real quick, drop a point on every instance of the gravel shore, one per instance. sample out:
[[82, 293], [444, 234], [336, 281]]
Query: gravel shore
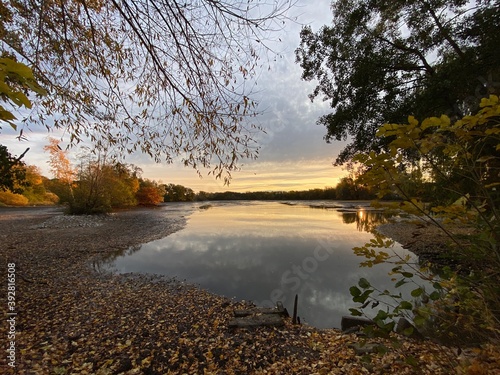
[[72, 319], [423, 238]]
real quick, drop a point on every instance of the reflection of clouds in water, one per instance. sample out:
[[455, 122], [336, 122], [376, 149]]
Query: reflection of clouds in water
[[264, 252], [328, 305]]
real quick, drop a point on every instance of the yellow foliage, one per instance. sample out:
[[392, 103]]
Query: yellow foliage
[[51, 198], [441, 122], [11, 199], [412, 121], [457, 166], [491, 101]]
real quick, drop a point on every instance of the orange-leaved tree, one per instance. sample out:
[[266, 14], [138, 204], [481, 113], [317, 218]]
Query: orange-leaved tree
[[149, 194]]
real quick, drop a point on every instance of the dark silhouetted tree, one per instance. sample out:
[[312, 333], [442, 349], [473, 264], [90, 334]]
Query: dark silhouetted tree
[[381, 61]]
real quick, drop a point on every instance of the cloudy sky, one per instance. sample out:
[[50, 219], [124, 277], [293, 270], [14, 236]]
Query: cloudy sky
[[293, 154]]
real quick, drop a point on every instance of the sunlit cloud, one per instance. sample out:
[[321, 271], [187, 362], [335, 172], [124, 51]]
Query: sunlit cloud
[[256, 176], [299, 175]]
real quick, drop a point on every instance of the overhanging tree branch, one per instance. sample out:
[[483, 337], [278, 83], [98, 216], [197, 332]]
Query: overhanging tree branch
[[166, 77]]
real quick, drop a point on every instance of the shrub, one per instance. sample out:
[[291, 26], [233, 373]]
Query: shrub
[[149, 196], [460, 158], [11, 199]]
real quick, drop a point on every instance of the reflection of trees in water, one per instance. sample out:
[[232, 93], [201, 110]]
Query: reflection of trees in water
[[365, 220], [105, 264]]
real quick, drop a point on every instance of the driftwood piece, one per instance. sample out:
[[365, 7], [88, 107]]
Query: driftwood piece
[[273, 320], [259, 316], [255, 310], [278, 310]]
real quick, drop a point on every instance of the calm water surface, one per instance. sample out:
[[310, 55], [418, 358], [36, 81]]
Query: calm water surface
[[269, 251]]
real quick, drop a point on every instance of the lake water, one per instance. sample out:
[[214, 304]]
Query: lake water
[[270, 251]]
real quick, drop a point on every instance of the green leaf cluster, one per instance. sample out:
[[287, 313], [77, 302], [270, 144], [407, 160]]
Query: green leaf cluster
[[16, 79]]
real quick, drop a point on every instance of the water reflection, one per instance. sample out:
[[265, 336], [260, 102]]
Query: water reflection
[[266, 252], [366, 220], [108, 264]]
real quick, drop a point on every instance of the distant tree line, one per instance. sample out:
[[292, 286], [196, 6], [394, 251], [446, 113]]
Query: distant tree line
[[99, 184], [346, 189]]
